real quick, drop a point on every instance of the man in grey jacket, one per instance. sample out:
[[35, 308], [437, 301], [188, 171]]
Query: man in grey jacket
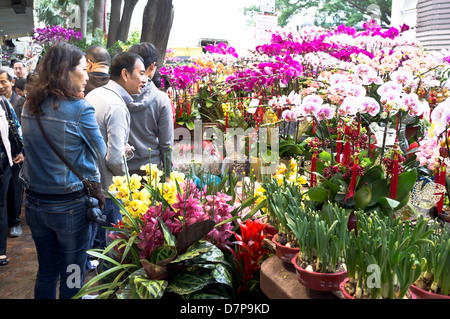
[[151, 119], [127, 78]]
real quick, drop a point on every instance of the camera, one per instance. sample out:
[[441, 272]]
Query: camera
[[94, 213]]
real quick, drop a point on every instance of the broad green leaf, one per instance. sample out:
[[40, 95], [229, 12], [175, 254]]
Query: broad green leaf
[[195, 250], [363, 196], [405, 183], [221, 275], [317, 194], [186, 283], [144, 288]]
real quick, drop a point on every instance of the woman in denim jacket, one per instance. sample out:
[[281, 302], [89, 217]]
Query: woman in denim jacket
[[55, 202]]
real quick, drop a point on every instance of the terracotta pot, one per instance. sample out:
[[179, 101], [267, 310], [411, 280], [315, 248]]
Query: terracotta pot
[[316, 280], [270, 230], [423, 294], [348, 296], [284, 253]]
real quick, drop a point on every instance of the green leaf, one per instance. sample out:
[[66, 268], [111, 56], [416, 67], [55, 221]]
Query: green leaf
[[144, 288], [405, 183], [168, 236], [186, 283], [363, 196], [379, 189], [190, 125], [195, 250], [317, 194], [221, 275], [373, 174]]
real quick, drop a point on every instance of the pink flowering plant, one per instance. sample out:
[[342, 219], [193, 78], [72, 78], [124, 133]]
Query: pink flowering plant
[[50, 35], [171, 232]]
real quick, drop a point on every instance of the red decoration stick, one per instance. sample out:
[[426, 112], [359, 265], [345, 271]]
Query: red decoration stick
[[352, 185], [313, 181], [394, 177], [440, 203]]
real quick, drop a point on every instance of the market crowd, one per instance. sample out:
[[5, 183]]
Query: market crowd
[[67, 127]]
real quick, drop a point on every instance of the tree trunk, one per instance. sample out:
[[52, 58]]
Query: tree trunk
[[124, 27], [156, 25], [99, 11], [84, 4], [114, 21]]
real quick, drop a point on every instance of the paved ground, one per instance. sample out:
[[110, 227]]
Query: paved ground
[[17, 278]]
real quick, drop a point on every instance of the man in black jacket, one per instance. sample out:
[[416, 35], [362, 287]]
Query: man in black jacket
[[15, 191], [98, 61]]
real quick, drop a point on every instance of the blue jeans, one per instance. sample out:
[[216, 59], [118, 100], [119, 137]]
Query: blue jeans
[[61, 233]]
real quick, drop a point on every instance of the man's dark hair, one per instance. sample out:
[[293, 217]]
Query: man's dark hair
[[147, 51], [123, 60], [8, 75], [20, 83], [98, 54]]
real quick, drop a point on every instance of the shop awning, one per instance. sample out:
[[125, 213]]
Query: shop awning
[[16, 18]]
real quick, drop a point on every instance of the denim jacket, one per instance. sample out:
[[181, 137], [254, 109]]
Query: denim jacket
[[74, 131]]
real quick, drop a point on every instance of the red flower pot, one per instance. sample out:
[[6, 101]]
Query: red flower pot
[[316, 280], [423, 294], [284, 253], [348, 296]]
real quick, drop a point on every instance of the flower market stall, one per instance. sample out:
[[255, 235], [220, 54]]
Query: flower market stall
[[332, 142]]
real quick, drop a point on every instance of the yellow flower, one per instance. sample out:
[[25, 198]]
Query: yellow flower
[[135, 181], [117, 182], [142, 195], [175, 175], [226, 107], [136, 208], [152, 171], [170, 192], [297, 178], [281, 169]]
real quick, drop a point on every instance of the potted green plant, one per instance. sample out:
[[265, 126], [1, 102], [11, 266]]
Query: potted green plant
[[322, 237], [277, 205], [382, 259], [434, 281]]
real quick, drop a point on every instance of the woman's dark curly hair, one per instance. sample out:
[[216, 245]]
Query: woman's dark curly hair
[[52, 77]]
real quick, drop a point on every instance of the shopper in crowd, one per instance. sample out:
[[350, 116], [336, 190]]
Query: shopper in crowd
[[98, 61], [7, 160], [127, 78], [19, 87], [151, 118], [55, 200], [20, 70], [15, 190]]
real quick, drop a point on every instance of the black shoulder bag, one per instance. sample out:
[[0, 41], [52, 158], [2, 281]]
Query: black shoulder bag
[[13, 133], [93, 189]]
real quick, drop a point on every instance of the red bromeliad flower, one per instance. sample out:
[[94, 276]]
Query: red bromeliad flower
[[250, 251]]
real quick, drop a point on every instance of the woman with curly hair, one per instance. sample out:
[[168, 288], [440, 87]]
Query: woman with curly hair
[[55, 200]]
